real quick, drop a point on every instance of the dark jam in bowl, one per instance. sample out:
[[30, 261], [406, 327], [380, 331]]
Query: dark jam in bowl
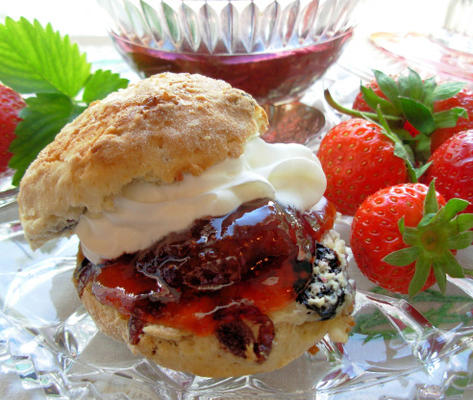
[[218, 275], [272, 76]]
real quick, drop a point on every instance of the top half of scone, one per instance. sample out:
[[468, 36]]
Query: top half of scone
[[149, 159]]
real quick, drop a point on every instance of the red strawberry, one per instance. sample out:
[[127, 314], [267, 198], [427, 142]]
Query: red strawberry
[[10, 105], [463, 99], [422, 109], [452, 168], [402, 241], [360, 104], [358, 159]]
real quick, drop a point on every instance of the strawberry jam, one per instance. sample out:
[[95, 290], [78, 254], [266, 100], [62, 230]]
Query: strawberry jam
[[221, 276]]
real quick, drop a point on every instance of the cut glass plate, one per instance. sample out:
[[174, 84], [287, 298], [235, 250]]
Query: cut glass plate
[[399, 349]]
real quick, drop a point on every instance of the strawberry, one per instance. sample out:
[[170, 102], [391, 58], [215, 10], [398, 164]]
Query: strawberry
[[419, 111], [463, 99], [452, 168], [402, 241], [358, 159], [10, 105], [360, 104]]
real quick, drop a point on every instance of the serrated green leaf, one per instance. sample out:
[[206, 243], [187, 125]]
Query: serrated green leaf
[[431, 205], [411, 86], [446, 90], [429, 88], [410, 235], [451, 265], [463, 222], [42, 118], [101, 83], [388, 86], [372, 99], [403, 257], [460, 241], [418, 115], [421, 170], [36, 59], [452, 208], [422, 148], [449, 118], [401, 225], [420, 276], [440, 276]]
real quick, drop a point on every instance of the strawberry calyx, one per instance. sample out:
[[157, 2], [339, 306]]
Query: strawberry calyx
[[409, 107], [432, 243]]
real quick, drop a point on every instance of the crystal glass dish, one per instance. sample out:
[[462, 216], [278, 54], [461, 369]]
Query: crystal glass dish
[[420, 348], [273, 49]]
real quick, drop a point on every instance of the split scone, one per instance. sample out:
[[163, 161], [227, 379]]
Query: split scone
[[202, 247]]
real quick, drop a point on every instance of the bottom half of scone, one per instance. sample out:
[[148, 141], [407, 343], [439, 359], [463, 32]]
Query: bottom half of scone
[[202, 311]]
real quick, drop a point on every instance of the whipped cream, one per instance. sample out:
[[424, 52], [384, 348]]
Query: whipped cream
[[145, 212]]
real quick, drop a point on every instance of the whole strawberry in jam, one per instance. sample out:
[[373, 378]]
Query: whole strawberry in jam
[[358, 159], [452, 168], [403, 241], [10, 105]]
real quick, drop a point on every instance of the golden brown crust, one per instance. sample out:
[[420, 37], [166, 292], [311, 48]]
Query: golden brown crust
[[155, 130], [204, 355]]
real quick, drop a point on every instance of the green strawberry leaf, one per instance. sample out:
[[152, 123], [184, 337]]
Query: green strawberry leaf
[[34, 59], [388, 86], [431, 205], [429, 89], [418, 115], [420, 275], [451, 265], [411, 86], [372, 99], [42, 119], [446, 90], [403, 257], [37, 59], [421, 170], [462, 222], [440, 276], [449, 118], [431, 242], [102, 83], [452, 208], [460, 241]]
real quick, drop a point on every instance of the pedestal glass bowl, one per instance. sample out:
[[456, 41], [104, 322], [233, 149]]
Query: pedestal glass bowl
[[273, 49]]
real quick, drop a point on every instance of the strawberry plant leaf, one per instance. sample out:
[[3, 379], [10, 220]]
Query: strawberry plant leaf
[[440, 276], [451, 265], [463, 222], [402, 257], [372, 99], [418, 115], [452, 208], [431, 205], [449, 118], [388, 86], [446, 90], [42, 119], [411, 86], [34, 59], [420, 276], [102, 83], [429, 89], [421, 170], [38, 60], [460, 241]]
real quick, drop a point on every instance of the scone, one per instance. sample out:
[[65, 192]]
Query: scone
[[202, 247]]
